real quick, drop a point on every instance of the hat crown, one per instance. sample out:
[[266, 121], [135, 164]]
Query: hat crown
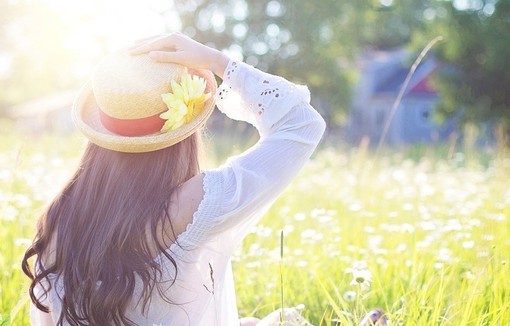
[[119, 109], [130, 87]]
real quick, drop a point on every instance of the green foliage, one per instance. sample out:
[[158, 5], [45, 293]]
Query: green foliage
[[313, 42], [476, 54], [435, 248], [289, 38], [433, 232]]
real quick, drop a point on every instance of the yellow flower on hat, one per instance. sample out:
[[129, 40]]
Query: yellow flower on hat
[[185, 102]]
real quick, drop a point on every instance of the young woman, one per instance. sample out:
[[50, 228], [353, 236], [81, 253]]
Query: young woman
[[140, 235]]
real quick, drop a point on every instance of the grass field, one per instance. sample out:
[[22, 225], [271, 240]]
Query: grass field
[[425, 238]]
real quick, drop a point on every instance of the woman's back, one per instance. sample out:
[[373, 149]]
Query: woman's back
[[172, 265]]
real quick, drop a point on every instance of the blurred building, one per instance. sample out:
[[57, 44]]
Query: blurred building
[[46, 114], [382, 75]]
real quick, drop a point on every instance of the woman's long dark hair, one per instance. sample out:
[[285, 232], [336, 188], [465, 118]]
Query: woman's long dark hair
[[107, 221]]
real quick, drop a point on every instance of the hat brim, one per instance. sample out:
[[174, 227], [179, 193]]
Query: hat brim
[[86, 117]]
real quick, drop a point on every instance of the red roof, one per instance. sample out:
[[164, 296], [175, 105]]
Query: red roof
[[423, 87]]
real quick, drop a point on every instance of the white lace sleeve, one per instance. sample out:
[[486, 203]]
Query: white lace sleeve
[[261, 99], [238, 193]]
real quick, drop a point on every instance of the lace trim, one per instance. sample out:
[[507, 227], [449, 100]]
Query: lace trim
[[231, 69], [261, 99], [201, 221]]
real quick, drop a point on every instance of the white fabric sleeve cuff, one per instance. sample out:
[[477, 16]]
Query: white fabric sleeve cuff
[[261, 99]]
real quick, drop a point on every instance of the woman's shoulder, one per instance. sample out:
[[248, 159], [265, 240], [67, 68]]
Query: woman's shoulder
[[185, 202]]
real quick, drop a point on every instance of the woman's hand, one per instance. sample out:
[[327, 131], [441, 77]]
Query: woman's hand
[[179, 48]]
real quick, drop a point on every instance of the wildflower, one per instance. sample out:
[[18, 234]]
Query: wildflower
[[361, 277], [468, 244], [185, 102], [349, 296], [468, 275], [22, 242]]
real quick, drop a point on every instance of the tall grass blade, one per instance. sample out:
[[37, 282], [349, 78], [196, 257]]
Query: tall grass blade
[[403, 89], [282, 314]]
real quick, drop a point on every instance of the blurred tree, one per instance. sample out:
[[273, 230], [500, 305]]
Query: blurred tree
[[282, 37], [316, 43], [313, 42], [477, 51]]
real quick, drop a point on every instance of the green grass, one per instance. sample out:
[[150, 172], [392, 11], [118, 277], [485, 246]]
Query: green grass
[[433, 233]]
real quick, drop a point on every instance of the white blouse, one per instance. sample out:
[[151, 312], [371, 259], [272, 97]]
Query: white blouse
[[236, 195]]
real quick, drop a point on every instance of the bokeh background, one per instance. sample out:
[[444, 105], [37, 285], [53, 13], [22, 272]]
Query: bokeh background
[[48, 49], [406, 204]]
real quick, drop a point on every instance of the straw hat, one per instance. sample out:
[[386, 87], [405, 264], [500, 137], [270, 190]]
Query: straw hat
[[119, 108]]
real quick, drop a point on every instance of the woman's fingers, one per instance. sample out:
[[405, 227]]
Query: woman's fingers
[[157, 43], [181, 49], [166, 56]]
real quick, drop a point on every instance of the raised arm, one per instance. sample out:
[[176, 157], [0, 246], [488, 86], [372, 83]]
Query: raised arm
[[290, 130], [237, 194]]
